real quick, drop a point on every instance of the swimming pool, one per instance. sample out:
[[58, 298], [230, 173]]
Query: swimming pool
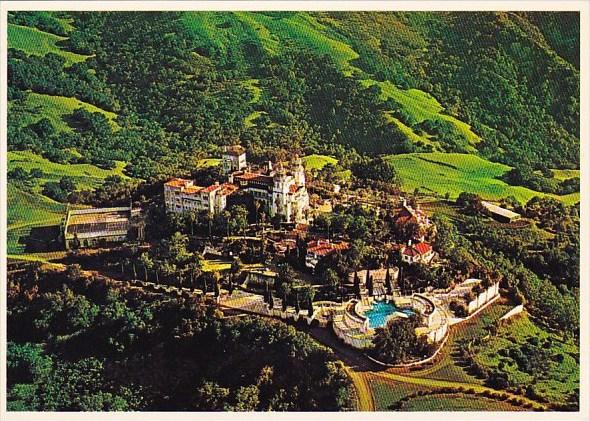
[[381, 311]]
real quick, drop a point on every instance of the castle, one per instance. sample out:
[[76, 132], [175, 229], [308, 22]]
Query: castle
[[281, 190]]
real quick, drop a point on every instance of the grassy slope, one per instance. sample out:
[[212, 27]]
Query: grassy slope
[[38, 106], [317, 162], [565, 174], [562, 378], [28, 208], [454, 173], [86, 176], [422, 106], [36, 42]]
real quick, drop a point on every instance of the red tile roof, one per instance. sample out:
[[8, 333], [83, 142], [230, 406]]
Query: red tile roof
[[417, 249], [323, 248], [177, 182], [227, 189], [257, 177], [423, 248], [211, 188]]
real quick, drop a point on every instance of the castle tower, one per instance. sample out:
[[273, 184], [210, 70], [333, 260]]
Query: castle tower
[[299, 172]]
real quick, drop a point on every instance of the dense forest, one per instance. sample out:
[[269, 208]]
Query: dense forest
[[79, 343], [184, 83]]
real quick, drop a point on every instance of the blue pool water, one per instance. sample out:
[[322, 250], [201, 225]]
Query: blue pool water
[[381, 311]]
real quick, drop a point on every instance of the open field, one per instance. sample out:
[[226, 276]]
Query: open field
[[271, 30], [453, 173], [55, 108], [38, 43], [565, 174], [27, 211]]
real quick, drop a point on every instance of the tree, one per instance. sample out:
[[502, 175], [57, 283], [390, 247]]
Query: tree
[[75, 242], [397, 341], [388, 283], [331, 279], [284, 301], [369, 283], [246, 398], [309, 305], [297, 306], [356, 289], [285, 277], [271, 302], [239, 219]]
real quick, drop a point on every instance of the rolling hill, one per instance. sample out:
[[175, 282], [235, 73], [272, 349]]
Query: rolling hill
[[452, 99], [36, 42], [440, 173]]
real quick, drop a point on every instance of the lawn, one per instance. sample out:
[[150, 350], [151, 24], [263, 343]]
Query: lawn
[[317, 162], [215, 265], [453, 173], [208, 162], [38, 43], [55, 108], [562, 377]]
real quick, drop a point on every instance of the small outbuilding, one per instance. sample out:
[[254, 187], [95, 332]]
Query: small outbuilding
[[499, 213]]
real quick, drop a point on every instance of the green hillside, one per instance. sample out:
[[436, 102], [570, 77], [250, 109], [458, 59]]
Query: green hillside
[[39, 43], [440, 173], [420, 106], [37, 106], [28, 208], [86, 176], [317, 162]]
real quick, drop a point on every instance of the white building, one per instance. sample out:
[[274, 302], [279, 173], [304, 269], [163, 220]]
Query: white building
[[233, 159], [417, 253], [182, 195], [282, 190]]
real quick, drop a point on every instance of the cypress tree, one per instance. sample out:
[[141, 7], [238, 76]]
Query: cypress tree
[[388, 282], [357, 285], [370, 286]]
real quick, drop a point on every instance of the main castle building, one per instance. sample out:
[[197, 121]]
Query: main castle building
[[282, 189]]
